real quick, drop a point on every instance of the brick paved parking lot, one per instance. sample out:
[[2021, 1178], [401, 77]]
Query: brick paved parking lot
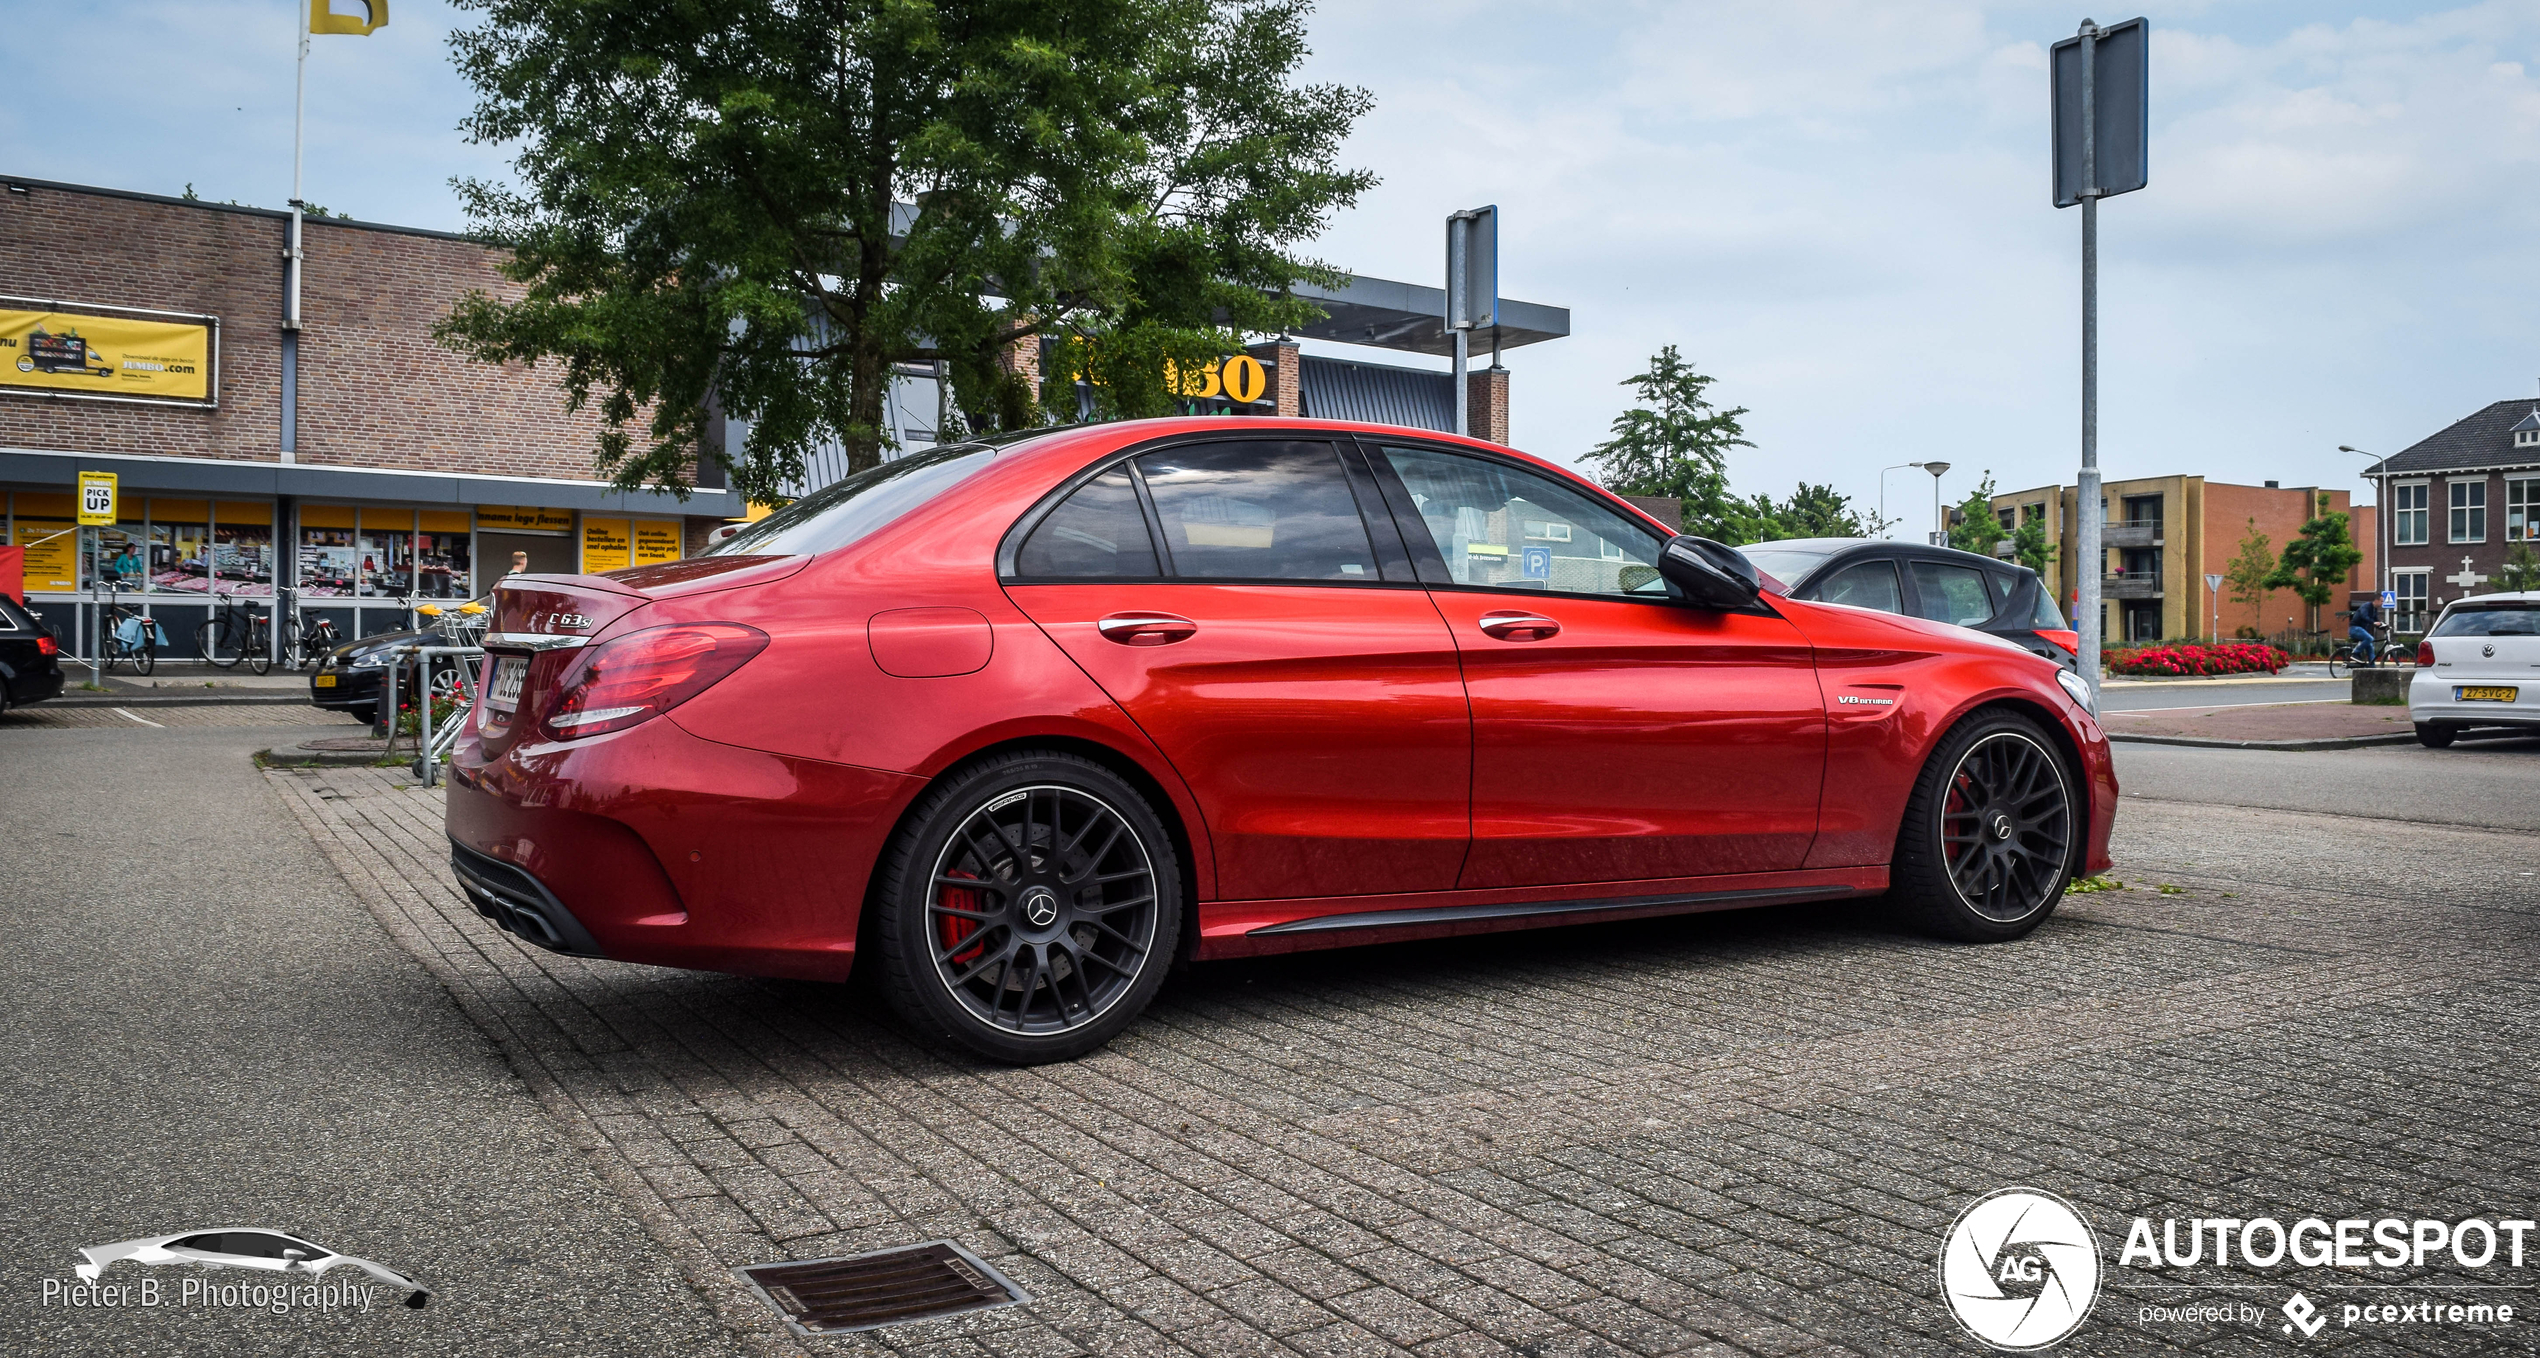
[[1726, 1133]]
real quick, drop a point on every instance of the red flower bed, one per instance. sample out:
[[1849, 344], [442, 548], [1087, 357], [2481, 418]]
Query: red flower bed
[[2239, 657]]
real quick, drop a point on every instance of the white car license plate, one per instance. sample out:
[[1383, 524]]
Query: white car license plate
[[504, 695]]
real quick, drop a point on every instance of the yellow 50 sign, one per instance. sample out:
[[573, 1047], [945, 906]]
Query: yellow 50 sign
[[1240, 379]]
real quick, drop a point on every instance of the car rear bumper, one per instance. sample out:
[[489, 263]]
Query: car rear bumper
[[34, 686], [2431, 700], [665, 848]]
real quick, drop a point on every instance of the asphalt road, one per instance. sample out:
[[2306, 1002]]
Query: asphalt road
[[206, 1029], [2483, 783]]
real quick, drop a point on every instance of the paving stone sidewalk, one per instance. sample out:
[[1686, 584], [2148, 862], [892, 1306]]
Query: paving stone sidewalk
[[1736, 1133]]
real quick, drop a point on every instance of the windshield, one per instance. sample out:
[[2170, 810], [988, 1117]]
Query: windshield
[[2489, 620], [1781, 563], [846, 510]]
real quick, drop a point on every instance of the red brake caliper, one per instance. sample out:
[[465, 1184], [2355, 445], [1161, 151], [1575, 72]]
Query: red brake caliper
[[954, 927]]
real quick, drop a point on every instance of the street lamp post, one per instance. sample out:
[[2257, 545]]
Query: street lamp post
[[2385, 533], [1939, 524], [1883, 471]]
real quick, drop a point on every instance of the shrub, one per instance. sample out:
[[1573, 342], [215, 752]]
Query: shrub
[[2175, 659]]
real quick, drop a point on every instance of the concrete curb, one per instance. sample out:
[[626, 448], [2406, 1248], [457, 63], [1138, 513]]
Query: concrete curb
[[207, 699], [2298, 746]]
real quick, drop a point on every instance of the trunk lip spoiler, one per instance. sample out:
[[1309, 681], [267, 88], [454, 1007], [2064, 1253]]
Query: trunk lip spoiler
[[533, 641]]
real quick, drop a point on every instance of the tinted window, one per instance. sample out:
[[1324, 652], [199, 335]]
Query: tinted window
[[1496, 525], [843, 511], [1785, 566], [1099, 531], [1258, 511], [2043, 613], [1952, 593], [1866, 584], [250, 1244], [2491, 620]]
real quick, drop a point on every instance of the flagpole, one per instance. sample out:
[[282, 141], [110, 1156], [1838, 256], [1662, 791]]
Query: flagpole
[[299, 118]]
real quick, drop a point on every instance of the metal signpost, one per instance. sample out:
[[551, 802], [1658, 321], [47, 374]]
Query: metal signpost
[[1472, 289], [2102, 101]]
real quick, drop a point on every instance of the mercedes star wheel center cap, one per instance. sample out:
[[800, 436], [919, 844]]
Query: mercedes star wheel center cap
[[2001, 826], [1040, 906]]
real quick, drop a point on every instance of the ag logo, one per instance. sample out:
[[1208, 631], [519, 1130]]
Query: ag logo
[[2020, 1269]]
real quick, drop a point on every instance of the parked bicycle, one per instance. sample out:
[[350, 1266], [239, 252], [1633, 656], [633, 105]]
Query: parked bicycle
[[233, 633], [310, 635], [126, 633]]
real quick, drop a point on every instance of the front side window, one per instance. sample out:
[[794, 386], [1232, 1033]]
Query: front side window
[[2522, 511], [2469, 510], [1258, 511], [2409, 516], [1099, 533], [1504, 528], [1948, 593], [1865, 584]]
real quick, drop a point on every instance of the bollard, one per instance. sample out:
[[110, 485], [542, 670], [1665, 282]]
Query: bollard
[[2382, 687]]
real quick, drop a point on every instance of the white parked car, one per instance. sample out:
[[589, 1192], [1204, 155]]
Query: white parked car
[[2479, 665]]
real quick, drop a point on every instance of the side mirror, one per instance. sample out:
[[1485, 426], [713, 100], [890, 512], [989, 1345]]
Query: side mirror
[[1709, 574]]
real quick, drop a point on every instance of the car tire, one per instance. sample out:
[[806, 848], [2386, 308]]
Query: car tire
[[1991, 833], [2435, 735], [1067, 937]]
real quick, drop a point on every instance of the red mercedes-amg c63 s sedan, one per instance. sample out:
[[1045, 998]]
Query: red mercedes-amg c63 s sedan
[[1015, 725]]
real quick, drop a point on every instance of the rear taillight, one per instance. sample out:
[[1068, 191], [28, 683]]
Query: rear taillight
[[641, 675], [2070, 641], [47, 646], [2425, 654]]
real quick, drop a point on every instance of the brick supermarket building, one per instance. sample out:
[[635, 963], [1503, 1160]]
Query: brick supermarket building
[[354, 460], [360, 464]]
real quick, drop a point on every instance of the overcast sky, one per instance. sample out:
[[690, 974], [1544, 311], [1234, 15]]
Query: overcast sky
[[1839, 209]]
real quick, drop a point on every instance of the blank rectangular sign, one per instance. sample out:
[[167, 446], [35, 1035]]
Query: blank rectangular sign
[[2121, 91]]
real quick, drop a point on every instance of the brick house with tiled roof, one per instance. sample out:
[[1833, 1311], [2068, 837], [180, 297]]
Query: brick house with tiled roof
[[2458, 501]]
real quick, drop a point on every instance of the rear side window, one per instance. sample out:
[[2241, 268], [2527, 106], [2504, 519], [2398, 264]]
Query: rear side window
[[1950, 593], [846, 510], [1099, 532], [2042, 611], [1865, 584], [2490, 620], [1258, 511]]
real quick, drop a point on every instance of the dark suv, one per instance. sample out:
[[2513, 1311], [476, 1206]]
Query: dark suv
[[1940, 583], [30, 659]]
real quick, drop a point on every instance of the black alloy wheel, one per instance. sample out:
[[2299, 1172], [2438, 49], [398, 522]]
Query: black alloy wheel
[[1030, 910], [1991, 833]]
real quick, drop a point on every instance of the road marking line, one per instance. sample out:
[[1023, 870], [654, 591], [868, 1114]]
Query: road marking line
[[128, 712]]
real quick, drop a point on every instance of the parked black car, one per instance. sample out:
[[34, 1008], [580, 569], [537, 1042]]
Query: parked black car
[[1941, 583], [30, 657], [350, 677]]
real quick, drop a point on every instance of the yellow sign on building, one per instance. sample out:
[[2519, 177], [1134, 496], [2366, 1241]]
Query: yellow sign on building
[[97, 499], [97, 355], [604, 545], [517, 518], [656, 541]]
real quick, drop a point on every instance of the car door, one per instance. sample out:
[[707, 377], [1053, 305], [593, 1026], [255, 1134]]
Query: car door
[[1230, 596], [1617, 735]]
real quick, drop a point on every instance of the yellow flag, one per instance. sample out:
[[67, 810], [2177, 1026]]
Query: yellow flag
[[324, 19]]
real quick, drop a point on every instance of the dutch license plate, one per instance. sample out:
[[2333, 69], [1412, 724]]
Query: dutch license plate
[[2485, 695], [325, 681], [504, 695]]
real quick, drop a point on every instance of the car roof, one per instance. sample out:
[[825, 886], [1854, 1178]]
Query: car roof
[[1834, 548]]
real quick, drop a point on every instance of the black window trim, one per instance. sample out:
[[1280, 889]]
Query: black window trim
[[1010, 547]]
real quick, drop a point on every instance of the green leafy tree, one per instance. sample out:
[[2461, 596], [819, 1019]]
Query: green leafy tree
[[2521, 570], [1820, 512], [1675, 442], [774, 202], [2249, 571], [1978, 529], [2315, 562], [2030, 547]]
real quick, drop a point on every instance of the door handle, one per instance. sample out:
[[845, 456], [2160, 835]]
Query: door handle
[[1146, 629], [1514, 625]]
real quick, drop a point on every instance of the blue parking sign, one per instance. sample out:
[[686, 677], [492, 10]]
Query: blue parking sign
[[1538, 563]]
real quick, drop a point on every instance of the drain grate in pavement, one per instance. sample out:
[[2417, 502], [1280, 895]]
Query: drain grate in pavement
[[888, 1287]]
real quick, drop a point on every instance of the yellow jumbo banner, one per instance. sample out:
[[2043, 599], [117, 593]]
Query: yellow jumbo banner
[[105, 355]]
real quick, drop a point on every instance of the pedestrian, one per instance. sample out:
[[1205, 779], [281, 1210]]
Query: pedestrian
[[520, 563]]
